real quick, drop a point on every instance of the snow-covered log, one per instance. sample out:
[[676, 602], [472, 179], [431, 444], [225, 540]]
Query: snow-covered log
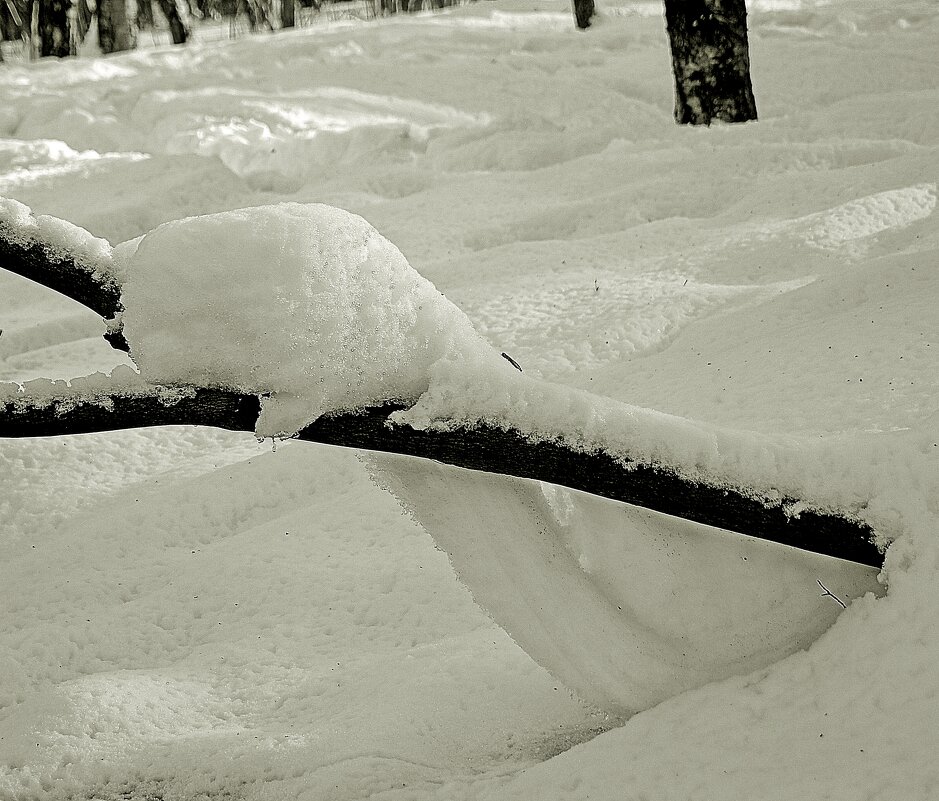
[[225, 370]]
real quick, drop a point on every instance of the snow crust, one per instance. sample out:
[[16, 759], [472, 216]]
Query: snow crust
[[307, 304]]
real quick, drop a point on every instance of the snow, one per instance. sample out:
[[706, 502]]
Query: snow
[[186, 613], [306, 304], [59, 238], [623, 646]]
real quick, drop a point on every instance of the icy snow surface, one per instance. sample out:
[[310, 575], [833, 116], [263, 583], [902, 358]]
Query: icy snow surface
[[186, 614]]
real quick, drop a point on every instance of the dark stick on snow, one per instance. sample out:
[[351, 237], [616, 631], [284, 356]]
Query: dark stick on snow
[[829, 594]]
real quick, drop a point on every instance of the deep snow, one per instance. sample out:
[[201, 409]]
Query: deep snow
[[185, 612]]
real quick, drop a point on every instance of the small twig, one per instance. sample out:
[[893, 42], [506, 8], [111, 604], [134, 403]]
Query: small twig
[[829, 594], [511, 361]]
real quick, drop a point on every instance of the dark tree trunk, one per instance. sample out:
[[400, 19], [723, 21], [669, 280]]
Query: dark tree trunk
[[583, 11], [257, 13], [82, 18], [53, 28], [178, 28], [144, 14], [288, 17], [114, 31], [711, 61]]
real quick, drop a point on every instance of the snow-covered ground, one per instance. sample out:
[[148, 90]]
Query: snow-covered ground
[[188, 614]]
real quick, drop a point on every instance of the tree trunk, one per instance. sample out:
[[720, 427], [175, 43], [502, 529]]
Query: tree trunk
[[288, 17], [583, 11], [710, 60], [53, 28], [178, 28], [144, 14], [13, 20], [114, 31]]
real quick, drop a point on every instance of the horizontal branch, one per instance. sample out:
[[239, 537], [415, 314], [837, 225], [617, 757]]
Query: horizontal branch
[[24, 251], [482, 447]]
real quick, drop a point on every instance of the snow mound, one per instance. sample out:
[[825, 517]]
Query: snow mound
[[306, 304]]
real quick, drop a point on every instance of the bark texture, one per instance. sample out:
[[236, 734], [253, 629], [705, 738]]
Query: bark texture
[[37, 261], [179, 30], [144, 14], [114, 30], [54, 28], [288, 15], [482, 447], [583, 12], [710, 61]]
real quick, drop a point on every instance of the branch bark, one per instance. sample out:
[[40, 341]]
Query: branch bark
[[74, 277], [38, 261], [482, 447]]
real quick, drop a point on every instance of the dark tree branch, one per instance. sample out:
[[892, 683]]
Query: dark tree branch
[[482, 447], [40, 262]]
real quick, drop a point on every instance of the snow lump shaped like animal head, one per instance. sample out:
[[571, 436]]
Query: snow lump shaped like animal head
[[306, 303]]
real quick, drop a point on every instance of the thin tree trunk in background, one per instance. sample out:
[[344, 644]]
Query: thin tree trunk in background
[[53, 28], [114, 31], [13, 21], [583, 11], [83, 14], [178, 28], [710, 60], [288, 17], [144, 14]]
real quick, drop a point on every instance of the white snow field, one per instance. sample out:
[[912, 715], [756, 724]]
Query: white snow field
[[189, 614]]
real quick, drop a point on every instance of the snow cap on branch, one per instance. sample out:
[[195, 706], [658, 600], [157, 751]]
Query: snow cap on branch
[[306, 304], [59, 238]]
